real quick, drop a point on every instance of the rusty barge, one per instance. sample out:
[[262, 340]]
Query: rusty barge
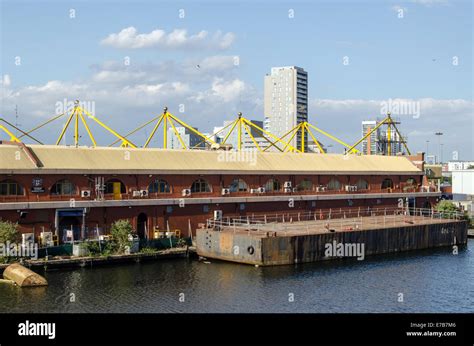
[[281, 239]]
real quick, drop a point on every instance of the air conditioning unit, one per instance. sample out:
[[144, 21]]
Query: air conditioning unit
[[261, 190], [225, 192], [186, 192], [288, 189], [144, 193], [253, 190], [351, 188], [136, 193], [47, 238], [27, 238], [85, 193], [287, 184], [217, 215], [321, 188], [295, 189]]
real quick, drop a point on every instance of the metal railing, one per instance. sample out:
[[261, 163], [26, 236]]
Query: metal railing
[[343, 219]]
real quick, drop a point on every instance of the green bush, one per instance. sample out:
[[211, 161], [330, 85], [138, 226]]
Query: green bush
[[448, 209], [148, 250], [9, 232], [93, 247], [181, 242], [120, 231]]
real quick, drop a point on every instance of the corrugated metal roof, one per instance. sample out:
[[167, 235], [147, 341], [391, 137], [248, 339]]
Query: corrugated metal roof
[[65, 159]]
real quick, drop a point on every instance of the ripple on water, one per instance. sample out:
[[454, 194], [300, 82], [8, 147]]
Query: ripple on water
[[430, 281]]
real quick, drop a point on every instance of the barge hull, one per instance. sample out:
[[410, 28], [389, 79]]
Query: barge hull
[[272, 249]]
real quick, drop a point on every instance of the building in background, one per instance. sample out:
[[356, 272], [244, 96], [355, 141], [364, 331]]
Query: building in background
[[369, 145], [378, 143], [463, 184], [286, 101], [247, 142], [460, 165], [189, 138]]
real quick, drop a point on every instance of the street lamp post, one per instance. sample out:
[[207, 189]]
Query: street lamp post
[[439, 134]]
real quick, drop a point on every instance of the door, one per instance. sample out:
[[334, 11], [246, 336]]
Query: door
[[117, 191], [142, 228]]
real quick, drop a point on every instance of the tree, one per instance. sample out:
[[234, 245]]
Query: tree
[[9, 232], [120, 232], [447, 209]]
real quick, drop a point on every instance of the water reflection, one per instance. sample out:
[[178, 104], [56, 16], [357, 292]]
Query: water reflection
[[431, 281]]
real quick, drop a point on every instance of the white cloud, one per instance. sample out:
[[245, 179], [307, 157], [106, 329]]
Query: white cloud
[[125, 97], [398, 8], [190, 70], [227, 90], [6, 81], [429, 3], [177, 39], [454, 117]]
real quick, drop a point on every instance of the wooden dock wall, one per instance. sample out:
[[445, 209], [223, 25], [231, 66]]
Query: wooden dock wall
[[310, 248]]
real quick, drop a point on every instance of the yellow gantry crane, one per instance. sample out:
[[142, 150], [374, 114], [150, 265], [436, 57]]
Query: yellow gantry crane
[[78, 113], [14, 138], [305, 127], [389, 122], [165, 119], [242, 125]]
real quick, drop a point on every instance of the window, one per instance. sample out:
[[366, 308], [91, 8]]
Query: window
[[387, 184], [109, 186], [200, 185], [362, 184], [159, 186], [334, 184], [305, 185], [63, 187], [272, 185], [10, 188], [238, 185]]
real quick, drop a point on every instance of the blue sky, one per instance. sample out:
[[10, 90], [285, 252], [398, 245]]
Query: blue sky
[[389, 57]]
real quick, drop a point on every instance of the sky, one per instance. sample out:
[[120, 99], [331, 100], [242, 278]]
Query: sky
[[206, 61]]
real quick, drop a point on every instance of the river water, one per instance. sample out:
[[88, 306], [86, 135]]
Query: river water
[[426, 281]]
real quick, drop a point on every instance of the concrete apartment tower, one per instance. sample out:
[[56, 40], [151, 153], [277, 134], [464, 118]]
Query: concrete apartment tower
[[377, 142], [286, 101]]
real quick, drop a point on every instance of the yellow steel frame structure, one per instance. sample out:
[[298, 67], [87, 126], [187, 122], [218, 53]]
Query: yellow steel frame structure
[[13, 138], [78, 114], [242, 125], [389, 122], [305, 127], [165, 119]]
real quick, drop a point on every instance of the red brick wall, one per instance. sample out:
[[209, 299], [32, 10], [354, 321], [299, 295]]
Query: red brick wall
[[179, 218], [180, 182]]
